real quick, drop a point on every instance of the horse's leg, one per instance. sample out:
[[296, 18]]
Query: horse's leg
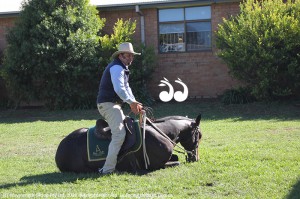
[[174, 157], [128, 164], [159, 149]]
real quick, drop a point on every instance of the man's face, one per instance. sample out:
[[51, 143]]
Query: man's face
[[127, 58]]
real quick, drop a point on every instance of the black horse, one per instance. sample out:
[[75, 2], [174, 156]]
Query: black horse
[[71, 155]]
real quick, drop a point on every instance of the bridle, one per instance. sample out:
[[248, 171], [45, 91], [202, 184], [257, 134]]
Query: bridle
[[195, 135], [188, 153]]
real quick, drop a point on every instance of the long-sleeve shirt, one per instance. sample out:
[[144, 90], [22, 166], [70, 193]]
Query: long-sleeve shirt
[[121, 86], [114, 86]]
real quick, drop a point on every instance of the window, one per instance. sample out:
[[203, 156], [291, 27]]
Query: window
[[184, 29]]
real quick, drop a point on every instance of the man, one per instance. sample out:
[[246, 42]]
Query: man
[[113, 91]]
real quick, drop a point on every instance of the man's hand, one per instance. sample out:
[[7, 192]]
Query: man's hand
[[136, 107]]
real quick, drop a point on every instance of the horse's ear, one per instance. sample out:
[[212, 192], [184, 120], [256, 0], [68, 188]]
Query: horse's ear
[[198, 119]]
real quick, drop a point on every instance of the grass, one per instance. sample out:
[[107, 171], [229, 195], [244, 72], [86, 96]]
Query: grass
[[247, 151]]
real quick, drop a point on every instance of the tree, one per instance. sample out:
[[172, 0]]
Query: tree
[[261, 47], [123, 31], [53, 53]]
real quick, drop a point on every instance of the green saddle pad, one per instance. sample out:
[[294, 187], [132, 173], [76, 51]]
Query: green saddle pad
[[98, 148]]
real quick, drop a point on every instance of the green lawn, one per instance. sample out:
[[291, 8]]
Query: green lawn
[[247, 151]]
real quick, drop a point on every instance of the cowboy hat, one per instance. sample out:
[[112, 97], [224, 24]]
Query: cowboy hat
[[125, 47]]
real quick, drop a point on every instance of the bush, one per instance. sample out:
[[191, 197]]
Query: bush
[[52, 54], [122, 32], [4, 99], [261, 47], [141, 71], [240, 95]]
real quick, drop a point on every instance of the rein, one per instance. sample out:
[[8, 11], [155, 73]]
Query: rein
[[146, 158], [183, 151]]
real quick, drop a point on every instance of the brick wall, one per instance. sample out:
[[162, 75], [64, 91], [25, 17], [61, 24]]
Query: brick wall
[[150, 17], [5, 23], [112, 17], [151, 28]]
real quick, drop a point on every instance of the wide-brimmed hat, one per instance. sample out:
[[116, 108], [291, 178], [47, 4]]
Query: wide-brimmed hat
[[125, 47]]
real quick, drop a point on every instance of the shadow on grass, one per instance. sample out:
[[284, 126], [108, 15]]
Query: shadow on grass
[[295, 192], [32, 115], [60, 178], [50, 178], [215, 110], [210, 110]]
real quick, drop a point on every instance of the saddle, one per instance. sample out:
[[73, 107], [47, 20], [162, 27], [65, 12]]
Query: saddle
[[133, 138]]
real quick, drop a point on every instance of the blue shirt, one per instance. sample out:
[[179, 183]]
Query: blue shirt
[[121, 87]]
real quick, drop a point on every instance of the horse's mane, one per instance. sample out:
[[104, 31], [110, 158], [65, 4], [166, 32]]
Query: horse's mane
[[175, 117], [150, 114]]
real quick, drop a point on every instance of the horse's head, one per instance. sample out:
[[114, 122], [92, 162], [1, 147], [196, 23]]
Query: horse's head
[[190, 139]]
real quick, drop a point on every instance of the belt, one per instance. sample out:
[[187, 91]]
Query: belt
[[118, 102]]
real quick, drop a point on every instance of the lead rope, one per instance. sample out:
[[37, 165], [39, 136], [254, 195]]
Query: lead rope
[[186, 152], [146, 158]]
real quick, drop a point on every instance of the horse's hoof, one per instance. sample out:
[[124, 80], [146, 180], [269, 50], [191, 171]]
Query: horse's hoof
[[172, 164]]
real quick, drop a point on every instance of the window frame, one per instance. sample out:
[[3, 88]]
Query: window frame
[[184, 22]]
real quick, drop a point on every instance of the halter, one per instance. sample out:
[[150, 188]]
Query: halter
[[143, 120], [195, 132]]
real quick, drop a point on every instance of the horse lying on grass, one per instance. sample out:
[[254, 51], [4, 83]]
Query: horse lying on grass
[[72, 152]]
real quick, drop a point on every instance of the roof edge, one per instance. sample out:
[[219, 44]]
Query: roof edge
[[160, 4], [154, 4], [9, 14]]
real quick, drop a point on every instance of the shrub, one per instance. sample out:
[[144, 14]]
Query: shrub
[[53, 53], [261, 47], [4, 99], [122, 32], [240, 95], [141, 71]]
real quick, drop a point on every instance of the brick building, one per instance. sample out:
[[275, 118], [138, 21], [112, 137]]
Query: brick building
[[182, 34]]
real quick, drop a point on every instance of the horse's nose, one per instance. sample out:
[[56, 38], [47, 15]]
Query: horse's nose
[[193, 157]]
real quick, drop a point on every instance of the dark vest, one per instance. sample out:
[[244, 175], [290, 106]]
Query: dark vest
[[106, 91]]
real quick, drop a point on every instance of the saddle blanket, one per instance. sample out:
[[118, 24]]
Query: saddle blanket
[[97, 149]]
